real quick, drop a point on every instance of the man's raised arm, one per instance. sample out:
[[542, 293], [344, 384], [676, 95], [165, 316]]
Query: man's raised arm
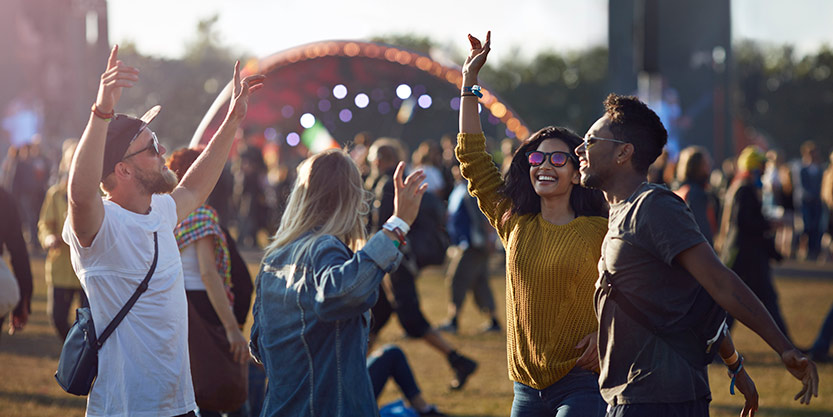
[[200, 179], [732, 294], [86, 211]]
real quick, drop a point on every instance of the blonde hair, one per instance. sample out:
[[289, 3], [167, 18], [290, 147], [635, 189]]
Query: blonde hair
[[328, 199]]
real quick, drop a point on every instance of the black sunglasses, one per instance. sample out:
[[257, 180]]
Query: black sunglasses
[[557, 158], [153, 145]]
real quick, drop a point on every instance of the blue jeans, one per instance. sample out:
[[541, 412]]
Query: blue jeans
[[574, 395], [389, 361]]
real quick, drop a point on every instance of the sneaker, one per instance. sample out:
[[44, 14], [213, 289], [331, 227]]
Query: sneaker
[[463, 368], [449, 327], [491, 327], [431, 411]]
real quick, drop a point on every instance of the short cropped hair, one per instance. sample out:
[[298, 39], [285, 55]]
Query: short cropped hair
[[633, 122]]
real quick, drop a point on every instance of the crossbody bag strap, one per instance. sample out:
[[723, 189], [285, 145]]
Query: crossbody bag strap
[[142, 288]]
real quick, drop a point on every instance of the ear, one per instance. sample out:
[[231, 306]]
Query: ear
[[123, 170], [576, 179], [625, 154]]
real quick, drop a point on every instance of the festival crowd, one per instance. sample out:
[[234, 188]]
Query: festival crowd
[[625, 269]]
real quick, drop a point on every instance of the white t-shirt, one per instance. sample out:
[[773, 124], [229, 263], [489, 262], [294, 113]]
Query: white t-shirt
[[144, 367]]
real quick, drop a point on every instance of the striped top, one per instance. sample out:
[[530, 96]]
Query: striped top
[[550, 271]]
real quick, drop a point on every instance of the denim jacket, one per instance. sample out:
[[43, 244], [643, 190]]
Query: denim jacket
[[311, 323]]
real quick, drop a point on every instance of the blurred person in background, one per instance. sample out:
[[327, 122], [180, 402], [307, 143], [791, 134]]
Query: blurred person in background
[[250, 195], [693, 170], [552, 229], [809, 185], [62, 284], [11, 239], [206, 270], [399, 292], [468, 269], [778, 203], [746, 242], [827, 199], [388, 362]]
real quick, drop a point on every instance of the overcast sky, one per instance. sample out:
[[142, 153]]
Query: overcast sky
[[264, 27]]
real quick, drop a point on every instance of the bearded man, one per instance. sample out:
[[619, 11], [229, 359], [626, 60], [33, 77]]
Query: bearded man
[[143, 367]]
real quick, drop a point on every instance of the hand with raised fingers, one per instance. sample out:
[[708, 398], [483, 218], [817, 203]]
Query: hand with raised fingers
[[241, 90], [117, 76], [744, 384], [589, 358], [408, 193], [477, 56], [803, 369]]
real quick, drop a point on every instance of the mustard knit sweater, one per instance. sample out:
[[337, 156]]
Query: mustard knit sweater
[[551, 272]]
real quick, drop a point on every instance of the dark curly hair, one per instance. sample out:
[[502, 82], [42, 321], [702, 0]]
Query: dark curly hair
[[517, 186], [632, 121]]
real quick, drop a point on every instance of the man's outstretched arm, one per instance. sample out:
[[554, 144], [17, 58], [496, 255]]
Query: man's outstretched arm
[[86, 211], [732, 294], [200, 179]]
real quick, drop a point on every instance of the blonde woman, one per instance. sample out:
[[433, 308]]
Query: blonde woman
[[317, 282]]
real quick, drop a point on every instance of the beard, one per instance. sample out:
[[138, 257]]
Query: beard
[[591, 181], [157, 182]]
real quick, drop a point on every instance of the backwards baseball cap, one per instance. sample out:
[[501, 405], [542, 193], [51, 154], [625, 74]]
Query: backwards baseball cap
[[122, 131]]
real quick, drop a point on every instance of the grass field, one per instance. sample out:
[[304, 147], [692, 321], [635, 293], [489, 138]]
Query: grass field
[[28, 359]]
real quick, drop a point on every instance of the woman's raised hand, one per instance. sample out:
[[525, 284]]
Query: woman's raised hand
[[408, 194], [477, 56]]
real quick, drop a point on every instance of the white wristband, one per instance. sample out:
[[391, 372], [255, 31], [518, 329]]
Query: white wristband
[[396, 222]]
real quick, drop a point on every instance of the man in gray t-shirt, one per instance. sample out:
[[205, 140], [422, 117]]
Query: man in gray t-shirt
[[660, 261], [645, 233]]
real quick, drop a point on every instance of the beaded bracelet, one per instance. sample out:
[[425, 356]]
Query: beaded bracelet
[[102, 115]]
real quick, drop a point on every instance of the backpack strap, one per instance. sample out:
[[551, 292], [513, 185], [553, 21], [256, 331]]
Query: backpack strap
[[694, 355], [631, 310], [142, 288]]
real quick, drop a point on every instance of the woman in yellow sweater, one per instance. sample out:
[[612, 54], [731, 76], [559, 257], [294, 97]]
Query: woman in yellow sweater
[[552, 229]]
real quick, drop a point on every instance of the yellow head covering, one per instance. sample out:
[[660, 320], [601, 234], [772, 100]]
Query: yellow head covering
[[751, 158]]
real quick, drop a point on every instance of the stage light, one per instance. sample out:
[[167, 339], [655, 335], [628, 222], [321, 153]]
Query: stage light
[[510, 134], [287, 111], [424, 101], [455, 103], [498, 109], [270, 134], [324, 105], [362, 100], [345, 115], [403, 91], [307, 120], [293, 139], [340, 91]]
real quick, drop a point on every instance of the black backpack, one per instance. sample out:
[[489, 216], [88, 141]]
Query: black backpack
[[241, 281], [696, 337], [428, 240]]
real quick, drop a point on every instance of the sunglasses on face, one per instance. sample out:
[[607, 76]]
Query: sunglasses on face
[[591, 140], [153, 145], [557, 158]]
